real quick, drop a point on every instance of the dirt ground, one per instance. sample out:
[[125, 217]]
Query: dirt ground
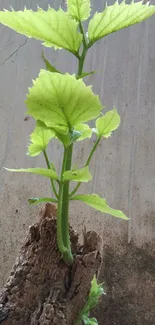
[[129, 275]]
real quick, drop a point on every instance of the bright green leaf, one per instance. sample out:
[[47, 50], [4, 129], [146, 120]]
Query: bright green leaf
[[62, 101], [85, 130], [34, 150], [100, 204], [116, 17], [79, 9], [40, 139], [85, 74], [38, 171], [48, 65], [107, 123], [77, 175], [36, 200], [54, 28]]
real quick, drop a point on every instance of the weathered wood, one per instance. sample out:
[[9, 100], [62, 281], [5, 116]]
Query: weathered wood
[[42, 289]]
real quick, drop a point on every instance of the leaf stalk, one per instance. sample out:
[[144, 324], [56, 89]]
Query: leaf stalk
[[86, 164], [49, 167]]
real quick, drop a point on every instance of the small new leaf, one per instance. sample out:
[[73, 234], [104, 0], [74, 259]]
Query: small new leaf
[[89, 321], [48, 65], [85, 130], [36, 200], [79, 133], [96, 292], [79, 9], [61, 101], [116, 17], [54, 28], [100, 204], [74, 135], [106, 124], [96, 289], [38, 171], [85, 74], [40, 139], [77, 175]]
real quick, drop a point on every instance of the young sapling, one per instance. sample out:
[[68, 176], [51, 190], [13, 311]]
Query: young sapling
[[62, 104]]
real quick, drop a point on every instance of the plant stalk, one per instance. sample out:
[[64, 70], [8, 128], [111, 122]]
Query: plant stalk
[[49, 167], [86, 164], [65, 203], [63, 236], [81, 61], [83, 33], [63, 209], [92, 151], [84, 52]]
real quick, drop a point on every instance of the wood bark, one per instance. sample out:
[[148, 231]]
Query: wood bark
[[42, 289]]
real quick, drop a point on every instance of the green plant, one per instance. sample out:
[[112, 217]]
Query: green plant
[[61, 104], [96, 291]]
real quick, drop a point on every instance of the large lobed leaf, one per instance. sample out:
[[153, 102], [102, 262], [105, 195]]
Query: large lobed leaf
[[100, 204], [116, 17], [62, 101], [79, 9], [54, 28], [40, 139]]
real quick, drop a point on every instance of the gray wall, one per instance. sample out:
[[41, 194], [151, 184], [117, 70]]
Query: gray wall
[[124, 166]]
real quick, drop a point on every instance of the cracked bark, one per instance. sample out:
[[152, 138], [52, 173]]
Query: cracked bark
[[41, 289]]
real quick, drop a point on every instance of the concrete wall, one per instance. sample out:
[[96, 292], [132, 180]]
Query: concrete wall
[[124, 166]]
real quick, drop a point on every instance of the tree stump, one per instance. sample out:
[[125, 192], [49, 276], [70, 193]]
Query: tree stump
[[42, 289]]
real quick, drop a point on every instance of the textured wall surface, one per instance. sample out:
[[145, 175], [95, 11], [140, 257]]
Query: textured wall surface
[[124, 166]]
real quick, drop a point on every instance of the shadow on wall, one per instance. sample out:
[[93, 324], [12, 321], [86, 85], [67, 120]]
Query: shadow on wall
[[129, 275]]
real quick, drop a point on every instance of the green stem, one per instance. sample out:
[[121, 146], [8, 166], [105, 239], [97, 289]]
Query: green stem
[[49, 167], [86, 164], [92, 151], [84, 52], [63, 237], [76, 54], [81, 61], [65, 203], [83, 33], [59, 211], [63, 209], [90, 44]]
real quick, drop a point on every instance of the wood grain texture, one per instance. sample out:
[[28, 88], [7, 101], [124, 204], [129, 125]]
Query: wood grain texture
[[124, 168], [42, 289]]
